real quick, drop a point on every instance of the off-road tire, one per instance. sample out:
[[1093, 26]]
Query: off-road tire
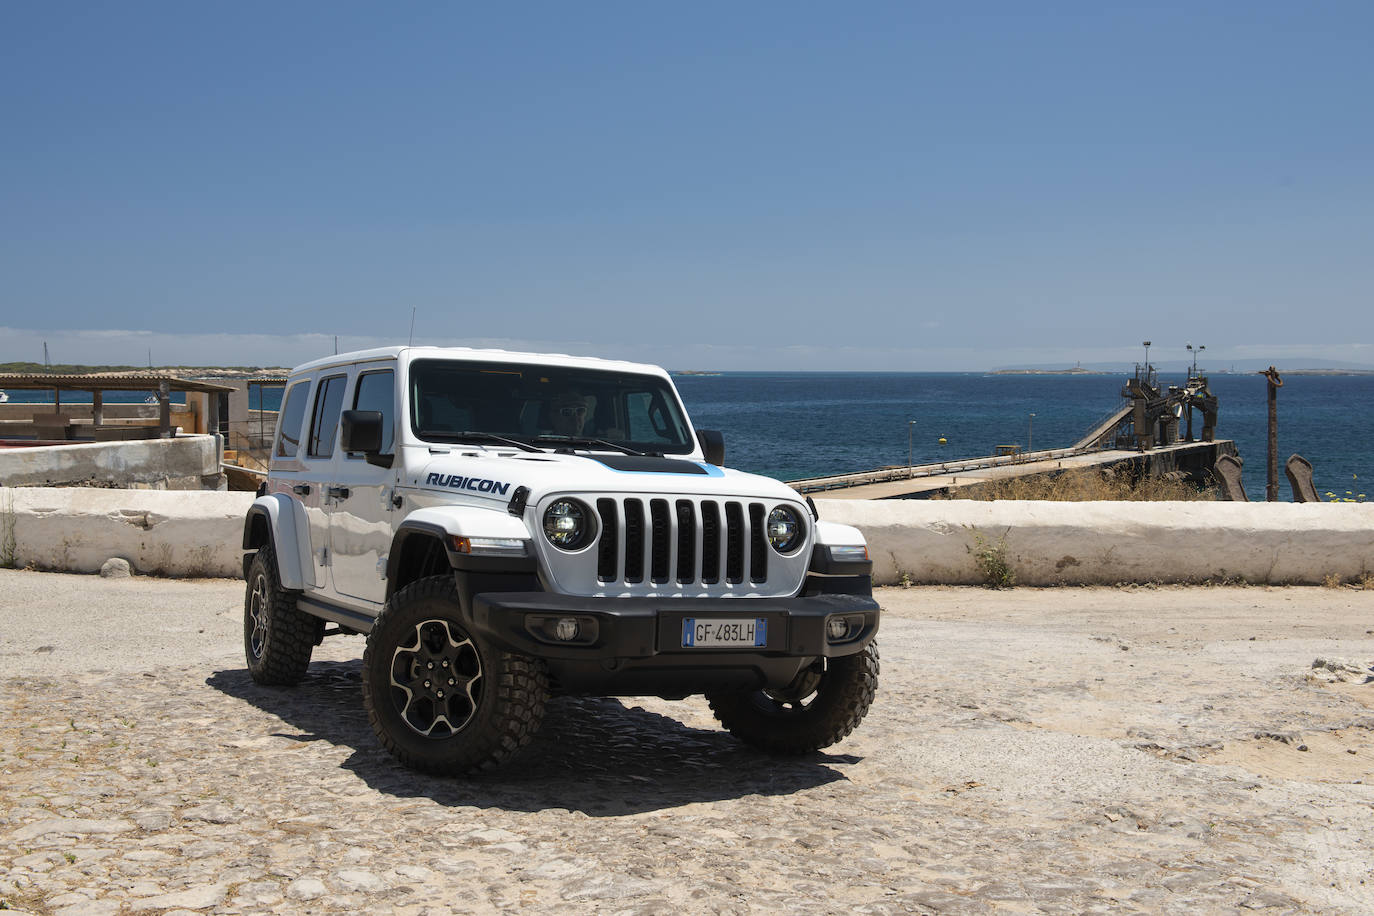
[[809, 717], [484, 720], [278, 637]]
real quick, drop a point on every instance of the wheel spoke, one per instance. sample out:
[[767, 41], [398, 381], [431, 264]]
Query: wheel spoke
[[257, 610]]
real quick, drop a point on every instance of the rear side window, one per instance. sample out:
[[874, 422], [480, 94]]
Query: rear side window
[[324, 424], [377, 391], [292, 417]]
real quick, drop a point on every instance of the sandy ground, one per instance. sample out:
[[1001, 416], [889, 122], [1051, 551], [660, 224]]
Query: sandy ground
[[1033, 750]]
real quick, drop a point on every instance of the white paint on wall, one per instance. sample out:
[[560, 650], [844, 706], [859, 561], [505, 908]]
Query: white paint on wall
[[1047, 543], [1054, 543]]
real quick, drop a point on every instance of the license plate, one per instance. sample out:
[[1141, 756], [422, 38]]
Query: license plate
[[724, 632]]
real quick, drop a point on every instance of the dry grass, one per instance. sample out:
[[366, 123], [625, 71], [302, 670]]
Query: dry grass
[[1087, 485]]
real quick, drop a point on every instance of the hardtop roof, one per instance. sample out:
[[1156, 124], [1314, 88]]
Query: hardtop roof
[[474, 354]]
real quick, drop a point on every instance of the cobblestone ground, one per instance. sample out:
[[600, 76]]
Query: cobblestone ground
[[1036, 751]]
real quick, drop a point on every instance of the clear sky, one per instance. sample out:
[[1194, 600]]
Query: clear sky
[[909, 186]]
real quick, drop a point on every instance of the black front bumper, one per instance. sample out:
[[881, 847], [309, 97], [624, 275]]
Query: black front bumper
[[630, 646]]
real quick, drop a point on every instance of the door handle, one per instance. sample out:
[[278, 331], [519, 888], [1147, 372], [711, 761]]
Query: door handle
[[301, 489], [337, 492]]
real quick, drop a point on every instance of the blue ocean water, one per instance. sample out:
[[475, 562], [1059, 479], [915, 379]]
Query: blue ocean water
[[795, 425]]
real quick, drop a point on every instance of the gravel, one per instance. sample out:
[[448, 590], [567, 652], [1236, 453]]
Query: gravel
[[1056, 750]]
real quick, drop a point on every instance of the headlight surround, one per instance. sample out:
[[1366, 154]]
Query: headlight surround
[[785, 529], [567, 524]]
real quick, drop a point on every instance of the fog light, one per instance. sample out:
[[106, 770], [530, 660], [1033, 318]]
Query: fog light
[[839, 627], [566, 629]]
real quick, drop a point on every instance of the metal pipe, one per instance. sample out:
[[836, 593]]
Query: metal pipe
[[1271, 485]]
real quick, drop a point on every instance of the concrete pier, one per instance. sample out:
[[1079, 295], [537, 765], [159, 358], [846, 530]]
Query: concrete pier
[[926, 481]]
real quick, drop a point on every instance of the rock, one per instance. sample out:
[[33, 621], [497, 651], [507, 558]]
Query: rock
[[89, 908], [116, 568], [197, 898], [70, 826], [359, 880], [306, 889]]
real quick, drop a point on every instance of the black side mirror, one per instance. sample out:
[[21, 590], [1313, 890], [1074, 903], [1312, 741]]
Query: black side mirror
[[362, 432], [712, 446]]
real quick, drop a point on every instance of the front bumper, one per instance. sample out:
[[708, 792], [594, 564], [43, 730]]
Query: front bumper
[[632, 646]]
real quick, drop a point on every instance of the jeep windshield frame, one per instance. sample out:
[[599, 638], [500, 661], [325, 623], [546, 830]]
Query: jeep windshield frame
[[549, 405]]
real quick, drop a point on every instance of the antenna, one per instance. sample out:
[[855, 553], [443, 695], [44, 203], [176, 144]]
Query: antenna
[[45, 355], [412, 326], [336, 344]]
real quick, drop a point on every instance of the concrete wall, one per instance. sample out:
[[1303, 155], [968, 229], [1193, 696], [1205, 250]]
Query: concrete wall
[[1051, 543], [183, 463], [197, 534], [77, 529]]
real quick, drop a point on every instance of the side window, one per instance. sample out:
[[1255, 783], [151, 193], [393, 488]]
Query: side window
[[292, 418], [324, 424], [377, 391]]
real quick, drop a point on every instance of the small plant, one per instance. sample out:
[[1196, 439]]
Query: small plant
[[70, 857], [905, 581], [991, 559], [1367, 581], [1331, 581]]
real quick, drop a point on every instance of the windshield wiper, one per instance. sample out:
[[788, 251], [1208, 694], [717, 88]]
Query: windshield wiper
[[614, 446], [475, 436]]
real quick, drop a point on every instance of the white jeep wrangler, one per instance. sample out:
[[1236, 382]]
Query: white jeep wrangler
[[504, 525]]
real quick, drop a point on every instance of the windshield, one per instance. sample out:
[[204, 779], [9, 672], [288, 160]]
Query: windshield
[[550, 406]]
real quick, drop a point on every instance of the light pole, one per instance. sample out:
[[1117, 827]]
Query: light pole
[[1195, 351], [1147, 356], [1030, 434], [910, 428]]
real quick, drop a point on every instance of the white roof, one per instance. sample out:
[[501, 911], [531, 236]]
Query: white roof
[[472, 354]]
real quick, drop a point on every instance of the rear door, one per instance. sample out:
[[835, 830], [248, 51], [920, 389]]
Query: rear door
[[289, 473], [318, 465]]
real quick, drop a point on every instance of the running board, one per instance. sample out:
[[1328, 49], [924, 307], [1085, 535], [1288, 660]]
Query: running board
[[356, 621]]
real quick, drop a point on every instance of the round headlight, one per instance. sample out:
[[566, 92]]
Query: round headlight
[[566, 524], [784, 529]]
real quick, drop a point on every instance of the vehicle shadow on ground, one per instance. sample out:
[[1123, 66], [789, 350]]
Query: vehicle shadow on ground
[[593, 755]]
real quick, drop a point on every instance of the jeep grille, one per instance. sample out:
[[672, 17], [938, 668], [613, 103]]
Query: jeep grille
[[681, 542]]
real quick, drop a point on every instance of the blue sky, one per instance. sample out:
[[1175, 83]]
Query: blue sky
[[910, 186]]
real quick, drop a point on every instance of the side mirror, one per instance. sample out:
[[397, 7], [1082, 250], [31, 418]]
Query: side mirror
[[712, 446], [362, 432]]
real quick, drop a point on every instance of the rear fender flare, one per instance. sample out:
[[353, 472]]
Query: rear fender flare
[[285, 521]]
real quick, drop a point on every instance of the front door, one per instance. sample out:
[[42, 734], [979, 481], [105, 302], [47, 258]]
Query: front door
[[360, 517]]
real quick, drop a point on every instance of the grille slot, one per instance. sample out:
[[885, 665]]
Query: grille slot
[[710, 543], [686, 541], [658, 566], [634, 540], [608, 553], [758, 555], [734, 543]]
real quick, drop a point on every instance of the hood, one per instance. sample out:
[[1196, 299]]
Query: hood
[[495, 474]]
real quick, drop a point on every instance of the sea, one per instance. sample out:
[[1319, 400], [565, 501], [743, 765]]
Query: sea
[[793, 425]]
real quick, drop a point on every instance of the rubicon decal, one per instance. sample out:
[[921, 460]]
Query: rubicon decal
[[477, 484]]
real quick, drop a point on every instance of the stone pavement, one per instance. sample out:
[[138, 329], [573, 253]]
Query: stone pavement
[[1076, 750]]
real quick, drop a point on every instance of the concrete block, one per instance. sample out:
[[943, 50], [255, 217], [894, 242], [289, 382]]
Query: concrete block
[[76, 529], [180, 463], [1054, 543]]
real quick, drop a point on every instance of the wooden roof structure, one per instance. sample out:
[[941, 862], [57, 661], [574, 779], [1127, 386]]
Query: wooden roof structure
[[43, 382]]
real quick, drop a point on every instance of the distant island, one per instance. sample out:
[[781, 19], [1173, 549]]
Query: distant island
[[1076, 370], [224, 372]]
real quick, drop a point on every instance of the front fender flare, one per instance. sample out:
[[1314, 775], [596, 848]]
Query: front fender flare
[[444, 523]]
